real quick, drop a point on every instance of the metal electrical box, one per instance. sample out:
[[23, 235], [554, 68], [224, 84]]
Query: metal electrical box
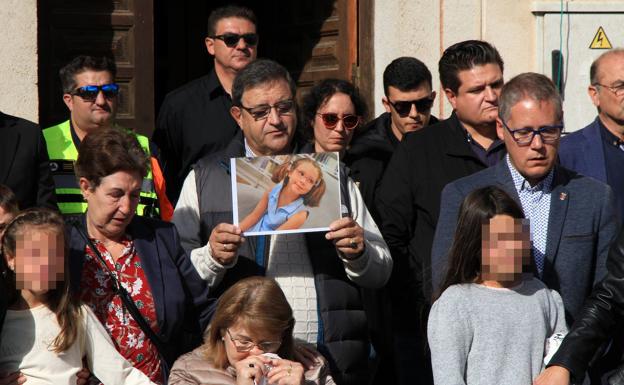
[[574, 38]]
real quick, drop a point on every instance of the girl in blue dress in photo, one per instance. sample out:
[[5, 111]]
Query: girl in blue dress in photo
[[300, 185]]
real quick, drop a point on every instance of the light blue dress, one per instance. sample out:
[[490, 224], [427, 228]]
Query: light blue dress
[[275, 216]]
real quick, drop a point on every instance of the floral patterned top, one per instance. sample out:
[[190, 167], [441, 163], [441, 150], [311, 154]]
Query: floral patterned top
[[97, 292]]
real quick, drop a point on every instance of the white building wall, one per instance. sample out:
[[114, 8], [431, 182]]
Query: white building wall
[[18, 59], [424, 28]]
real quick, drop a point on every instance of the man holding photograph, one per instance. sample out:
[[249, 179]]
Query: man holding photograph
[[286, 206], [320, 273]]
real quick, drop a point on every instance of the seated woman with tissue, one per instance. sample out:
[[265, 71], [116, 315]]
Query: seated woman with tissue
[[249, 341]]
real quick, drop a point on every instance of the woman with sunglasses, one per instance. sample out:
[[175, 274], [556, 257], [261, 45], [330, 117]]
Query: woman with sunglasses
[[252, 318], [332, 111]]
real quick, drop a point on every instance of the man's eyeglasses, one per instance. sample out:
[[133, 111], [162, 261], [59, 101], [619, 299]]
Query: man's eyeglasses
[[618, 90], [524, 136], [231, 39], [330, 121], [404, 107], [89, 93], [262, 111], [246, 345]]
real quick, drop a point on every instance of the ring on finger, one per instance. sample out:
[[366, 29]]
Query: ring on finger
[[353, 243]]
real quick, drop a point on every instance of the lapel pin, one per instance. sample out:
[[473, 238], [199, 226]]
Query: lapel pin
[[563, 196]]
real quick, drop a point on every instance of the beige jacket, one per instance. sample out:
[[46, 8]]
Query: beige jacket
[[193, 368]]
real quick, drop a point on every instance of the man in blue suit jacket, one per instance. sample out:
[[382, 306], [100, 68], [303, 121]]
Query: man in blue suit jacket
[[572, 217], [598, 149]]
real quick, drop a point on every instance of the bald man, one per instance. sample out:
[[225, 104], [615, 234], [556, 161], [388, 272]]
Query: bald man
[[598, 149]]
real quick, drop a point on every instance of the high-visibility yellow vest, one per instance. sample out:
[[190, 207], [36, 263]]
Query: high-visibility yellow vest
[[63, 154]]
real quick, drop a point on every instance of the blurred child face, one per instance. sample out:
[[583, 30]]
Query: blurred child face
[[303, 178], [39, 259], [506, 247]]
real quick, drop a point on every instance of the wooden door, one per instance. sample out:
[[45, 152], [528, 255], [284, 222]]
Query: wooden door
[[123, 29], [321, 39], [313, 39]]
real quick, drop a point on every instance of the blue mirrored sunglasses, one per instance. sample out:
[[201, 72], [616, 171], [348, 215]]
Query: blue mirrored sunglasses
[[90, 92]]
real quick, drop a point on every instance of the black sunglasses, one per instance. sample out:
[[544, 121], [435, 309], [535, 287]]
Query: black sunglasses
[[404, 107], [89, 93], [231, 39]]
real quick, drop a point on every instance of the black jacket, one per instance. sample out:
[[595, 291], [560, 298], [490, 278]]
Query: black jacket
[[369, 154], [24, 163], [408, 201], [601, 317]]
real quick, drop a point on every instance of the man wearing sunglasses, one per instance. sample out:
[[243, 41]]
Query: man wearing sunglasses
[[408, 198], [194, 120], [598, 149], [335, 265], [408, 100], [90, 94], [572, 217]]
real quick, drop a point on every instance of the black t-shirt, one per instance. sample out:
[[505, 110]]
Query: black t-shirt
[[194, 121]]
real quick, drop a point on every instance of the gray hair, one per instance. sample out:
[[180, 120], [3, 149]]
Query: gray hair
[[256, 73], [529, 85]]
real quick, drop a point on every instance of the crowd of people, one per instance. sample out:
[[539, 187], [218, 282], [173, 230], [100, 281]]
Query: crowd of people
[[478, 249]]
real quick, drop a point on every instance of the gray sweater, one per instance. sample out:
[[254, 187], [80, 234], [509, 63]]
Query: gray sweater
[[483, 335]]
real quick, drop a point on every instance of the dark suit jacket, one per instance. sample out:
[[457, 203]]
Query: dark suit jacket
[[24, 163], [582, 151], [183, 306], [408, 203], [581, 226]]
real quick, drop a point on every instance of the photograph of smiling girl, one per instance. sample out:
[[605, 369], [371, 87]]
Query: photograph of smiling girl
[[285, 193]]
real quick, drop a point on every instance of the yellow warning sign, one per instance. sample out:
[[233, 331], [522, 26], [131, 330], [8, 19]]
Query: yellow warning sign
[[600, 41]]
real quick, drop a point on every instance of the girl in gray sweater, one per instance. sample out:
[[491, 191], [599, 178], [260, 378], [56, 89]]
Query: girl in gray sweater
[[492, 321]]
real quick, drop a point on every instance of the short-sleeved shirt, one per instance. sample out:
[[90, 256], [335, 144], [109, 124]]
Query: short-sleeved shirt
[[97, 292]]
